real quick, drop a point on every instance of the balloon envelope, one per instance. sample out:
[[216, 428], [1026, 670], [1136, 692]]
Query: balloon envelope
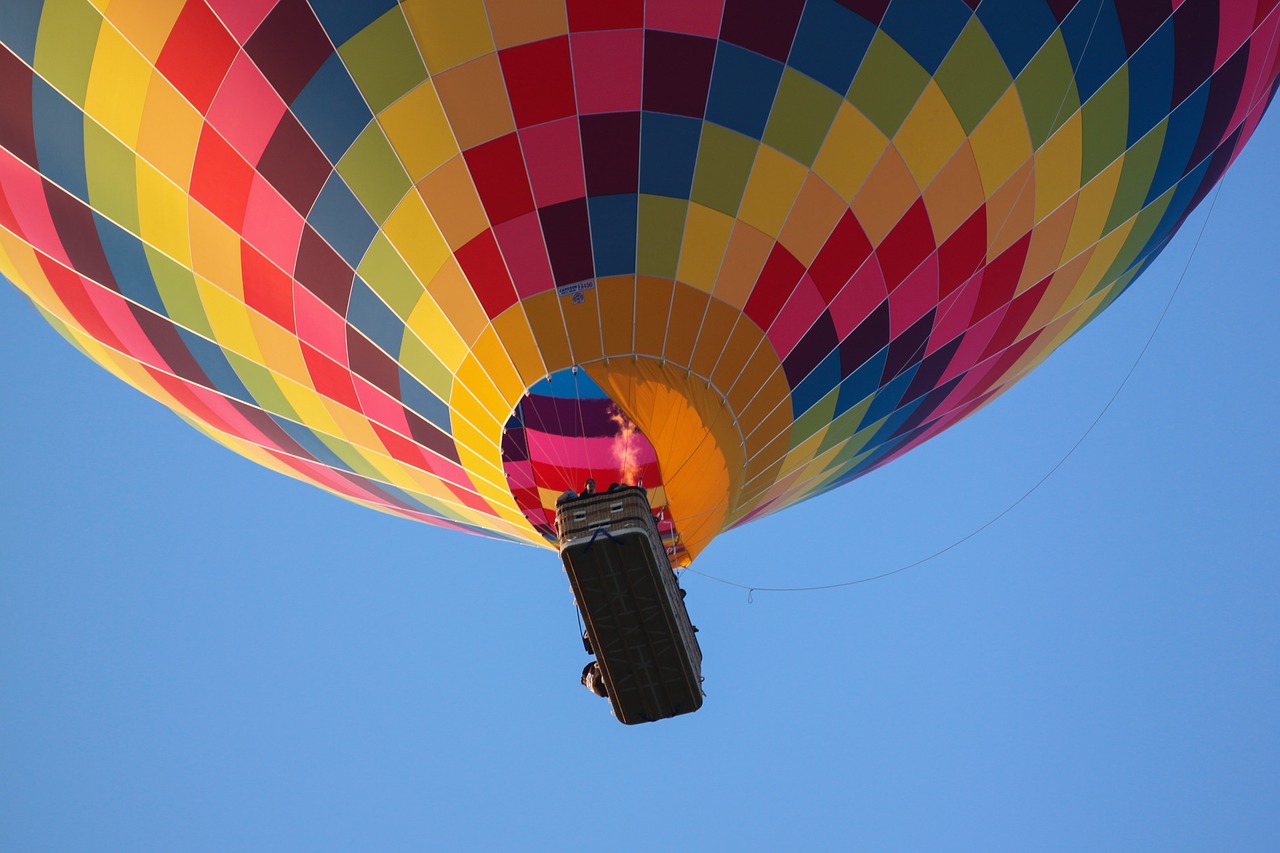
[[449, 259]]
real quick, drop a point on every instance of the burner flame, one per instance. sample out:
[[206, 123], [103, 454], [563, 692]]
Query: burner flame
[[627, 447]]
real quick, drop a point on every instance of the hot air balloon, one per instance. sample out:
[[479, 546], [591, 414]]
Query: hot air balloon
[[450, 259]]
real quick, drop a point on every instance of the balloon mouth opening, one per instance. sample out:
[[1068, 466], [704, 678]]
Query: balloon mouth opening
[[565, 430]]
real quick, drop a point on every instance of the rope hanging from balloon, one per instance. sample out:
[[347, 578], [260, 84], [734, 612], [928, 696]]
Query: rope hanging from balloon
[[751, 589]]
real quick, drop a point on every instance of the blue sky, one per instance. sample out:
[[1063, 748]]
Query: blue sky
[[198, 654]]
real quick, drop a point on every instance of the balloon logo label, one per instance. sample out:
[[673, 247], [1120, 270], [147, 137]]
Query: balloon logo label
[[577, 290]]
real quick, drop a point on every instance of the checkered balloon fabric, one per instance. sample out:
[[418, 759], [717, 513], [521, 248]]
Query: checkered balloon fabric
[[449, 258]]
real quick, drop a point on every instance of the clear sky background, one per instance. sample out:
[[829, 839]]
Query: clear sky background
[[199, 654]]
